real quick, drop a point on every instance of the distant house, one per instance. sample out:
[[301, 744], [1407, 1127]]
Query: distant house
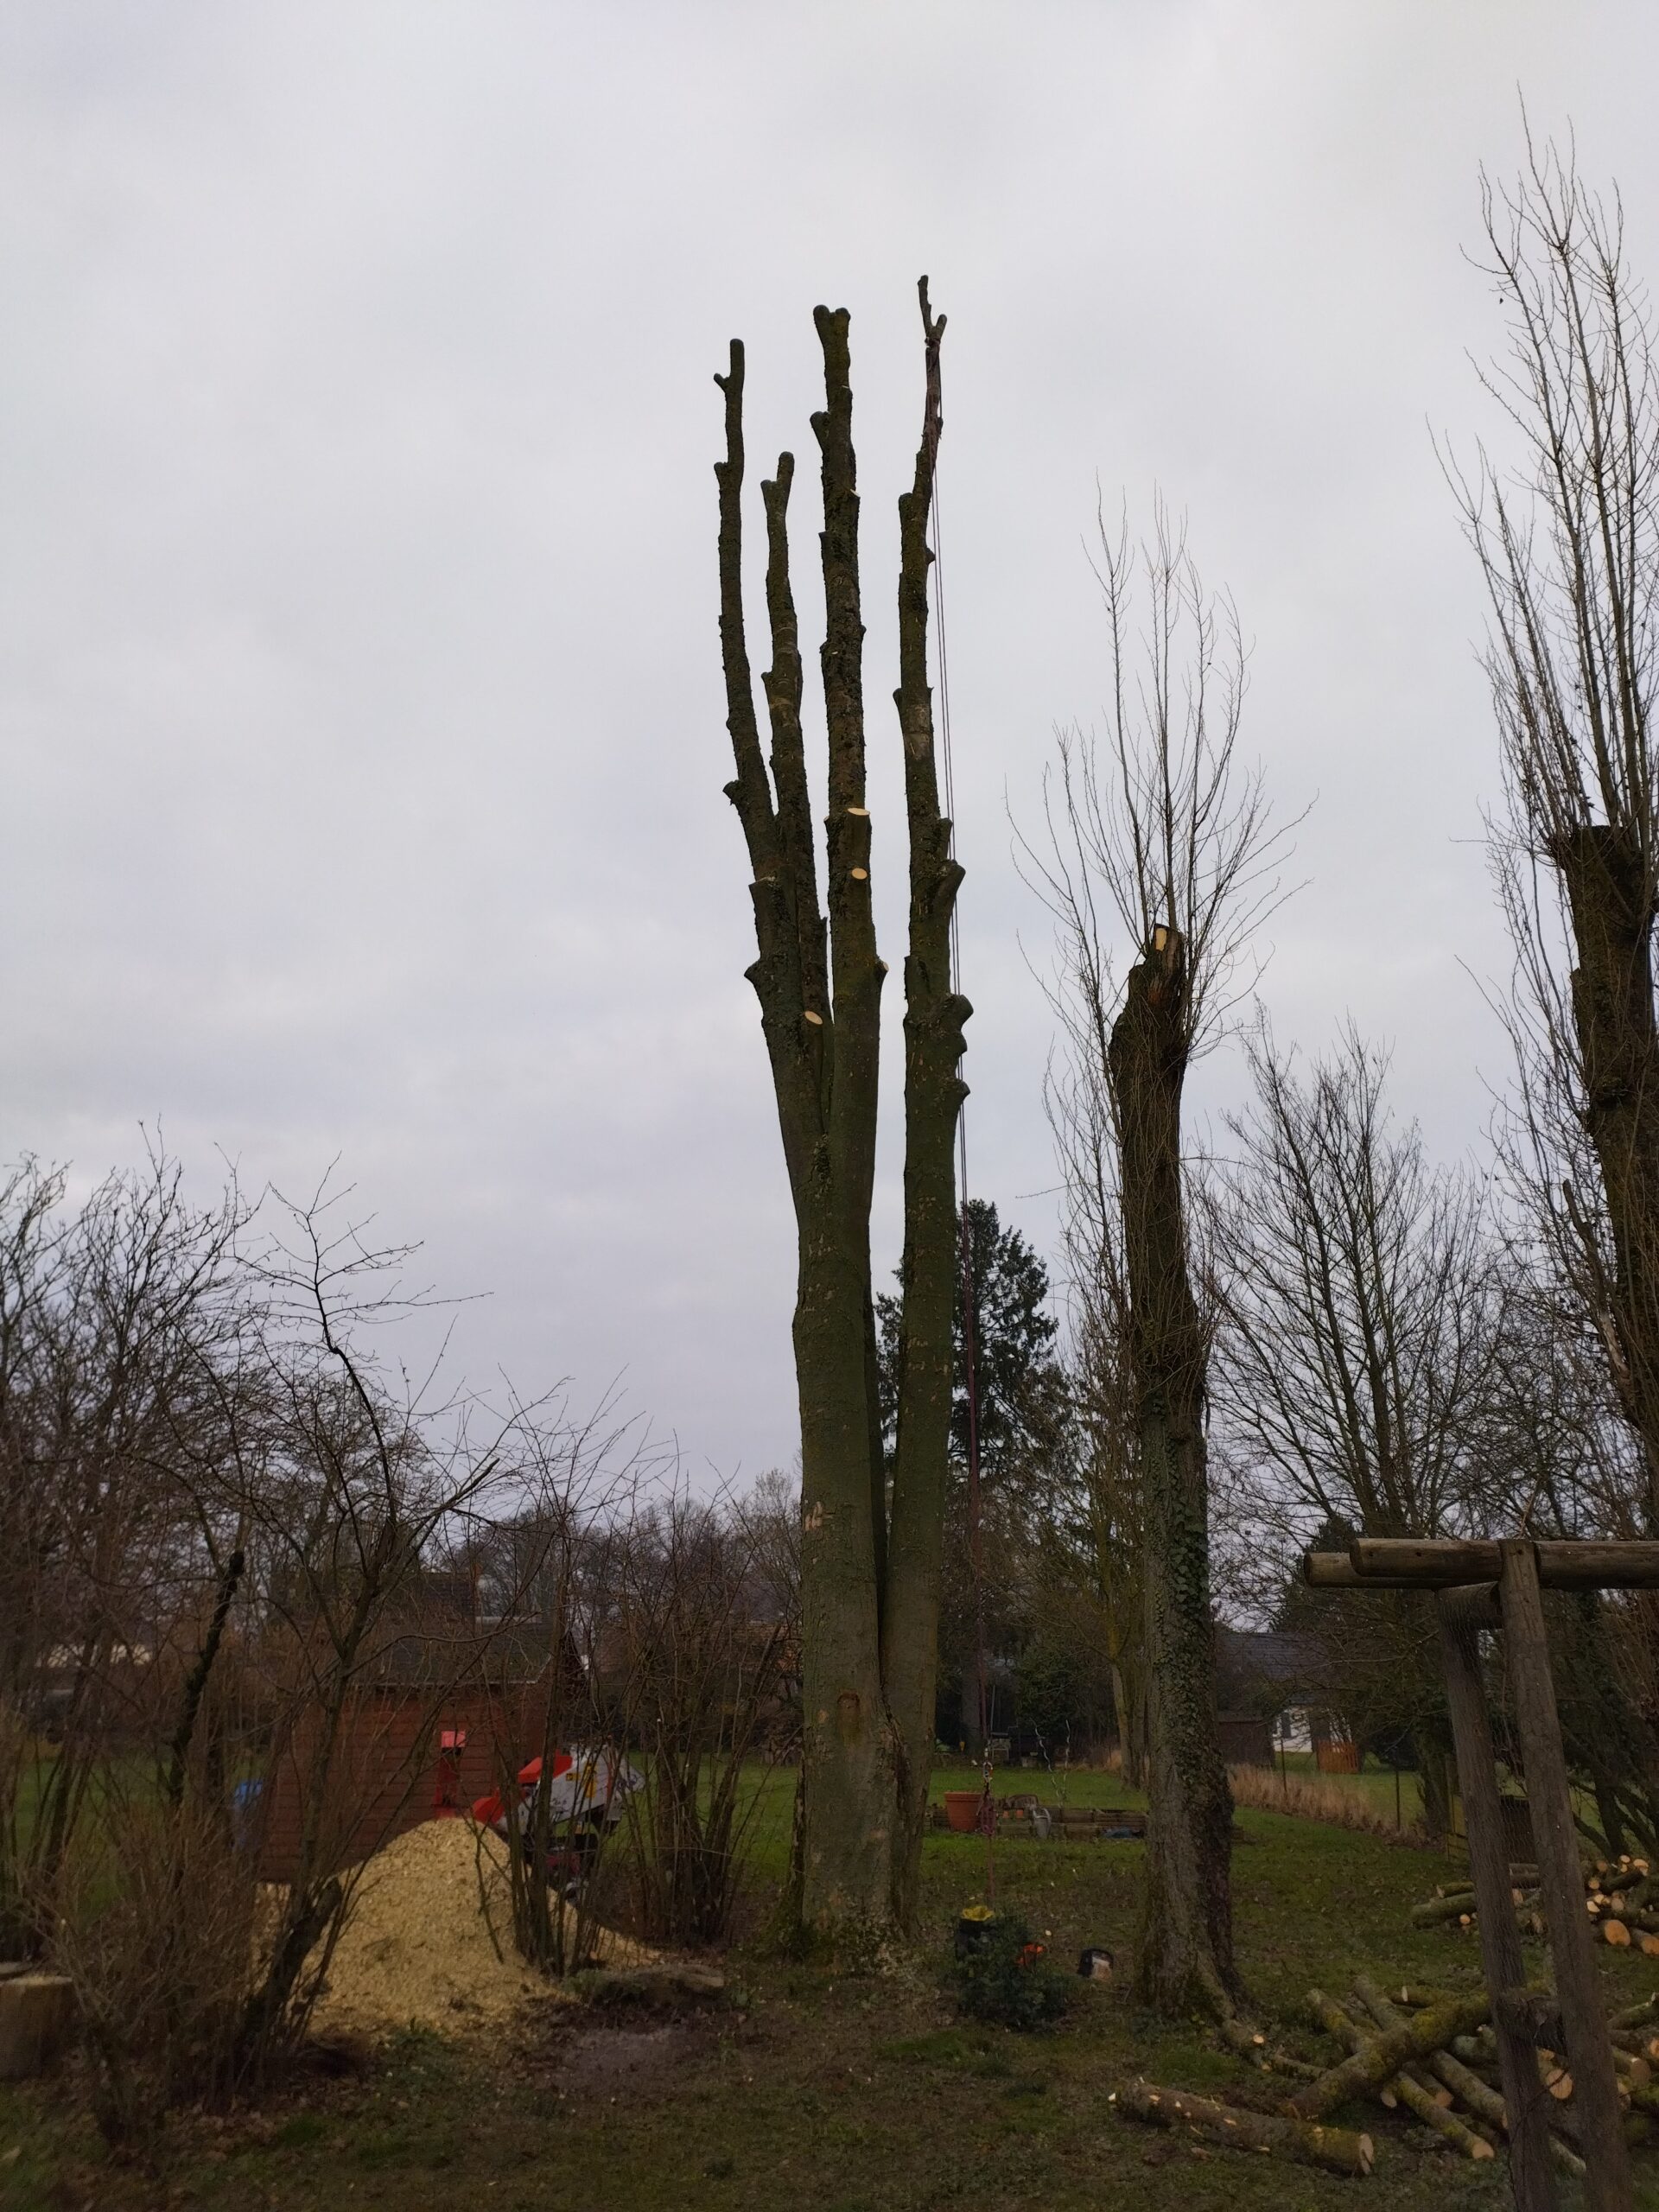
[[433, 1721], [1284, 1679], [122, 1674]]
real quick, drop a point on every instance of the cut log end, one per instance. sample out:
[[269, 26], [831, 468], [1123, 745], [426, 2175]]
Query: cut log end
[[1337, 2149]]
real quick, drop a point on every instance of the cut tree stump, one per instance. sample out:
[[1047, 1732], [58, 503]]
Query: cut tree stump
[[35, 2010], [1338, 2149]]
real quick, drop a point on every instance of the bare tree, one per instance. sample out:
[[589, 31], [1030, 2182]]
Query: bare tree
[[702, 1651], [1569, 544], [870, 1568], [1157, 832], [107, 1314], [1364, 1310], [1361, 1354], [556, 1570]]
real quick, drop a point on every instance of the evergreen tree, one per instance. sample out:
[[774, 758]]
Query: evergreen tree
[[1018, 1401]]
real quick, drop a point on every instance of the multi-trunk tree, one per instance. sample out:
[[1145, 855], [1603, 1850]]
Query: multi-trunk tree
[[870, 1547]]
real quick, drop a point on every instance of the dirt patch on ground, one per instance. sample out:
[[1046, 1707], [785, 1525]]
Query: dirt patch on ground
[[642, 2050], [644, 2060]]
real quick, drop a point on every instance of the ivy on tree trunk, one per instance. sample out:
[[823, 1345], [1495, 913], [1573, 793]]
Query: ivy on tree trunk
[[1185, 1954]]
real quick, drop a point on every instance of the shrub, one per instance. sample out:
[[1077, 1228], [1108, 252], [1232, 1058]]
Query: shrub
[[155, 1924], [1007, 1979]]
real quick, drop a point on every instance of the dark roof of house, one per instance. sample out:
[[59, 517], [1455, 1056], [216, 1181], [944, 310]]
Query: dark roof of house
[[435, 1658], [1292, 1660]]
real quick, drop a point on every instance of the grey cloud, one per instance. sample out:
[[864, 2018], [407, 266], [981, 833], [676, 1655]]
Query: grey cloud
[[359, 698]]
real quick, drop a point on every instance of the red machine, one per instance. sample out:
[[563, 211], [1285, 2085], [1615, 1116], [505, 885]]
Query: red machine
[[585, 1790], [490, 1812]]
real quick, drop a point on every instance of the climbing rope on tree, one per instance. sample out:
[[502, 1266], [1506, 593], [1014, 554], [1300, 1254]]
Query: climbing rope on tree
[[969, 1299]]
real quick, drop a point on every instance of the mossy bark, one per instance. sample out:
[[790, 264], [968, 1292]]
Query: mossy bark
[[1184, 1961]]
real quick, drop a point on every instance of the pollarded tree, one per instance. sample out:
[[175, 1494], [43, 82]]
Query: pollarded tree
[[869, 1564], [1099, 1518], [1160, 831], [1568, 546]]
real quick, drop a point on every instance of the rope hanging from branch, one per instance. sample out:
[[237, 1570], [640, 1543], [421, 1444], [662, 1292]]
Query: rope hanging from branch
[[970, 1289]]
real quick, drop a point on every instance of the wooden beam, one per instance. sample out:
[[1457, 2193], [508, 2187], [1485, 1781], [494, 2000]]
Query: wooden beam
[[1607, 2185], [1335, 1570], [1531, 2179], [1388, 1562], [1473, 1604]]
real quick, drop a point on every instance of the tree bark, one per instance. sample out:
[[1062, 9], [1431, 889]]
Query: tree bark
[[1608, 879], [1337, 2148], [1185, 1954], [1403, 2088], [1500, 1935], [1607, 2185], [1376, 2059], [196, 1681], [869, 1594], [934, 1015]]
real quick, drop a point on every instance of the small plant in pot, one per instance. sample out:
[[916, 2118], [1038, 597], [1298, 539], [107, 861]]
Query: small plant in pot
[[997, 1973]]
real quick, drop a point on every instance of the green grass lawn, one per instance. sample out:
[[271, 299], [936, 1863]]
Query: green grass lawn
[[820, 2093]]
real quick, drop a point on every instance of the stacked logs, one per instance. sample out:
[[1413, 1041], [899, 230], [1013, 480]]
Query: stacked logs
[[1621, 1896], [1432, 2057]]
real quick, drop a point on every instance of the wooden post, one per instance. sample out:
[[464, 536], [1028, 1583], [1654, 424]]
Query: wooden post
[[1573, 2018], [1525, 2096], [1607, 2186]]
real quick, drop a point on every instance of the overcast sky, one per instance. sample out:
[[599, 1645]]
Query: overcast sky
[[360, 709]]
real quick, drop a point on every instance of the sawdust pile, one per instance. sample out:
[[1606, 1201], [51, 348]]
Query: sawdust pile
[[416, 1947]]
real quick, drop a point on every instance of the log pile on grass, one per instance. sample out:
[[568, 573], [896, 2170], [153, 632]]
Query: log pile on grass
[[1620, 1898], [1422, 2055]]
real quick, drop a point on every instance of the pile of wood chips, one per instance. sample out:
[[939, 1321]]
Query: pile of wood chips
[[416, 1949]]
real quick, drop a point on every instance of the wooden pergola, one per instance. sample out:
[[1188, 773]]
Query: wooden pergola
[[1499, 1586]]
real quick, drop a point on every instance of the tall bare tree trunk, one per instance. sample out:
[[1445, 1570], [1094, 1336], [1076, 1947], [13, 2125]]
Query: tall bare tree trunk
[[1569, 549], [1608, 879], [869, 1593], [1157, 828], [1185, 1956], [934, 1015]]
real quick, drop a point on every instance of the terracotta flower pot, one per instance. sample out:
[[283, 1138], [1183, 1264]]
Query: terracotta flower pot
[[962, 1809]]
